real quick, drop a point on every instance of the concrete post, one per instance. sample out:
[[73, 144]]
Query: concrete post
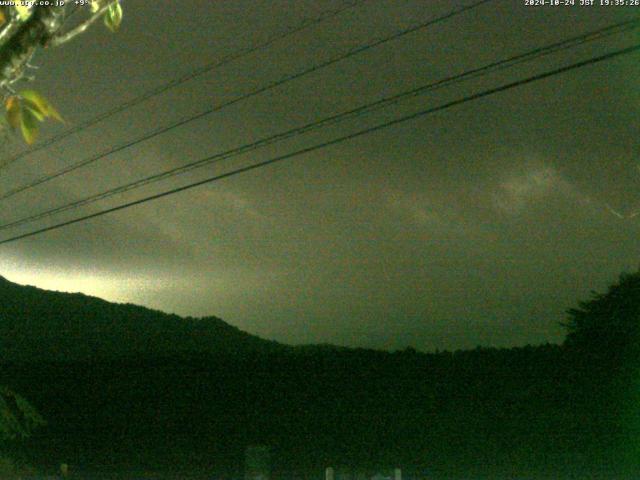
[[257, 462], [328, 473]]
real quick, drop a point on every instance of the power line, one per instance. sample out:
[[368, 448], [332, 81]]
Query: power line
[[337, 140], [350, 114], [306, 23], [253, 93]]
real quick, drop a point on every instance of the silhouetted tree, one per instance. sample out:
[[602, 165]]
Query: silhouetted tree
[[603, 342], [608, 325]]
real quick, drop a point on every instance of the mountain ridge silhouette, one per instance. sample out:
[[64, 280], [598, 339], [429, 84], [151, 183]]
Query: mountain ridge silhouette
[[38, 324]]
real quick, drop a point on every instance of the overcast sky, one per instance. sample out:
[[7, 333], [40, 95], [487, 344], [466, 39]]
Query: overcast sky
[[480, 224]]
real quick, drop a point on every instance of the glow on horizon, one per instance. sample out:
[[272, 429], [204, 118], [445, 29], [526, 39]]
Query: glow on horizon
[[101, 286], [108, 286], [156, 290]]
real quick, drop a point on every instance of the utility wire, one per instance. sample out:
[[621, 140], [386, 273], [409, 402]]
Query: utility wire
[[306, 23], [469, 98], [350, 114], [253, 93]]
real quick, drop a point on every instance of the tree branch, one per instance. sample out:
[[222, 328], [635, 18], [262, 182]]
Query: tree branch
[[71, 34], [36, 31], [11, 27]]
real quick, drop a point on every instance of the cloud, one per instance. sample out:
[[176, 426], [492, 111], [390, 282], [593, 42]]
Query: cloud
[[418, 210], [435, 213], [524, 190]]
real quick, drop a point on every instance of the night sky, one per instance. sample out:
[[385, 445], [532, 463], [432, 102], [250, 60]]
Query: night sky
[[480, 224]]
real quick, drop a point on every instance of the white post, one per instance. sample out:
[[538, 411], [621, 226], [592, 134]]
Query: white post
[[397, 474], [328, 473]]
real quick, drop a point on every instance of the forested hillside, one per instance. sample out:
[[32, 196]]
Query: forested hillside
[[178, 398]]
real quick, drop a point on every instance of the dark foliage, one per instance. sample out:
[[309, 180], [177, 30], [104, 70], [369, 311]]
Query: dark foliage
[[608, 325], [127, 388]]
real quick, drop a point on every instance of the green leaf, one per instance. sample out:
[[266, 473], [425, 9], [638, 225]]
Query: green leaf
[[39, 115], [113, 17], [24, 11], [14, 112], [40, 105], [29, 125]]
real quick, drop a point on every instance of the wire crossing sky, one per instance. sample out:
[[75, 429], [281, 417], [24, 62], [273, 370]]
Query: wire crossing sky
[[307, 23], [474, 225], [385, 102], [366, 131], [217, 108]]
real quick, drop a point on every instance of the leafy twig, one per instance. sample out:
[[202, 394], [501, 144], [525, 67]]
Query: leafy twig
[[71, 34]]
